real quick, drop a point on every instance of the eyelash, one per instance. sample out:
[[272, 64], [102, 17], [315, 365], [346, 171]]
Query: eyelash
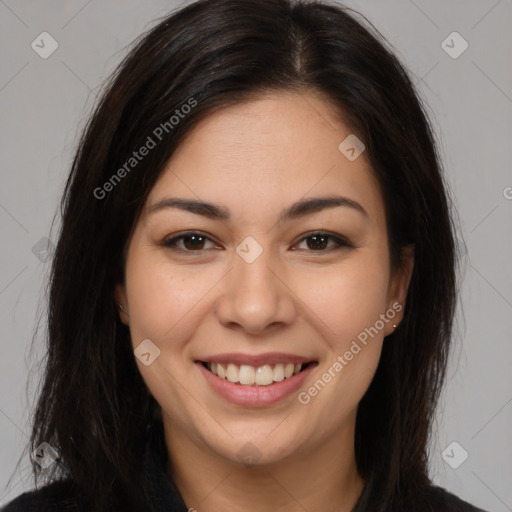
[[340, 241]]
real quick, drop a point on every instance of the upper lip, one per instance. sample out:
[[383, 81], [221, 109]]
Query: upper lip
[[257, 360]]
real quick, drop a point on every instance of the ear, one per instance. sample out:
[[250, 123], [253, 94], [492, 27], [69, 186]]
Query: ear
[[398, 287], [121, 303]]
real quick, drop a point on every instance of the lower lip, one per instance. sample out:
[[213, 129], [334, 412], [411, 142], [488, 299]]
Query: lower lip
[[254, 396]]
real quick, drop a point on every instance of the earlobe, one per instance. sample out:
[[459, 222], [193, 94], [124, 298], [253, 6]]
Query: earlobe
[[120, 300], [399, 287]]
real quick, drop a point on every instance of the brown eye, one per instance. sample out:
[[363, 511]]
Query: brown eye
[[187, 242], [319, 242]]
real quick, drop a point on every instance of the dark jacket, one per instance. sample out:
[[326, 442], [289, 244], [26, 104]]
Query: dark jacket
[[163, 494]]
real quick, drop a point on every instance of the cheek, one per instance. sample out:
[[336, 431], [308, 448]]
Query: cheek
[[349, 303], [346, 298], [162, 297], [163, 306]]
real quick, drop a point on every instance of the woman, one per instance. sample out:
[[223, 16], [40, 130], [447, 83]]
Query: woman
[[253, 290]]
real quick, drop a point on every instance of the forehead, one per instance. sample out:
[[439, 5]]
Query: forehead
[[277, 148]]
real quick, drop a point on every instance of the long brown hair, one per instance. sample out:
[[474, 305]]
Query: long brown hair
[[93, 406]]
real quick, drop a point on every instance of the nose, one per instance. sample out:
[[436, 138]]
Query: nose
[[255, 297]]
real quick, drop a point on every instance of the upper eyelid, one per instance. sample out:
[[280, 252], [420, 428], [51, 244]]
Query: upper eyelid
[[179, 236]]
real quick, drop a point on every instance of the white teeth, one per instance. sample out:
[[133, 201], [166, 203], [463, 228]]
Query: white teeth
[[249, 375], [264, 375], [279, 372], [232, 373]]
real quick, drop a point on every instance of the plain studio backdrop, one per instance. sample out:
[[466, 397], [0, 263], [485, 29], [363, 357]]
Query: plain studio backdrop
[[458, 52]]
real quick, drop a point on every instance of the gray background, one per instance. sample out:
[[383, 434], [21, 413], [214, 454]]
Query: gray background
[[44, 104]]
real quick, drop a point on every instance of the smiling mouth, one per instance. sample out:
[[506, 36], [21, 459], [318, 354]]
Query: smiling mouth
[[264, 375]]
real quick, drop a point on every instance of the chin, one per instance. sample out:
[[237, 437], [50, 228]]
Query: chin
[[254, 450]]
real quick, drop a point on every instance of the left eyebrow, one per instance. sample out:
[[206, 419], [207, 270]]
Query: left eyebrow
[[309, 206], [298, 209]]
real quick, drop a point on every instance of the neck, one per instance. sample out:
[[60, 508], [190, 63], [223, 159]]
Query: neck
[[313, 479]]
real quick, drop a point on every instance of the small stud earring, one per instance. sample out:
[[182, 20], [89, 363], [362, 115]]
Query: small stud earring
[[395, 326], [122, 309]]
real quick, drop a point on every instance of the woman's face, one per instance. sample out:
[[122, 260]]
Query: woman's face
[[254, 289]]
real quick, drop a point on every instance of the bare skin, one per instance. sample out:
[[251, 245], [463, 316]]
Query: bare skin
[[297, 297]]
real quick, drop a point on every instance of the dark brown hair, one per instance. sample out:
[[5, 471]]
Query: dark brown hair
[[93, 406]]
